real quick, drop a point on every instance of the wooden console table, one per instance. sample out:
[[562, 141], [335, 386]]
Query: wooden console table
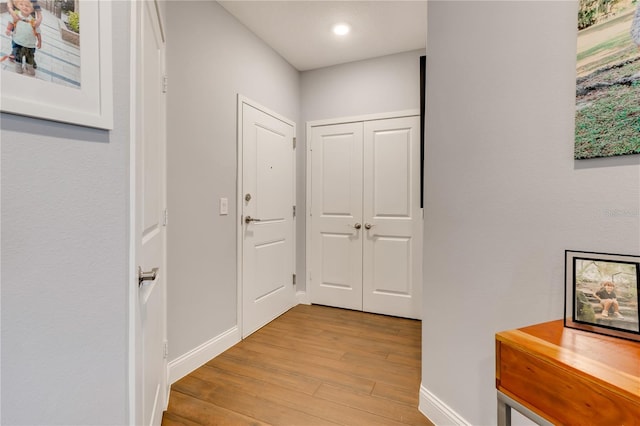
[[564, 376]]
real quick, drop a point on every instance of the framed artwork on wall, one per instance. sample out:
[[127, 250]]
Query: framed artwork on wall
[[601, 293], [608, 79], [67, 76]]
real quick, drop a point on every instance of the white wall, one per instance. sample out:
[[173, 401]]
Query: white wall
[[385, 84], [504, 197], [211, 58], [65, 263]]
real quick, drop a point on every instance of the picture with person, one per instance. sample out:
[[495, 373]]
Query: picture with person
[[604, 291], [41, 39], [56, 60]]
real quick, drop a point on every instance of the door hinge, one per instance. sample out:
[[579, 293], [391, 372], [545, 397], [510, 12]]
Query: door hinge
[[165, 83], [294, 279], [294, 211], [165, 349], [294, 143], [165, 218]]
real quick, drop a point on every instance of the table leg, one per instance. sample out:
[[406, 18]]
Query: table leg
[[505, 404], [504, 413]]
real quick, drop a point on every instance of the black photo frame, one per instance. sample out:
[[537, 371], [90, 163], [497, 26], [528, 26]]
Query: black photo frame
[[601, 293]]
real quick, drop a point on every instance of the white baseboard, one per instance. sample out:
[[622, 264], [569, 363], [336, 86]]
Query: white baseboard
[[439, 413], [303, 298], [195, 358]]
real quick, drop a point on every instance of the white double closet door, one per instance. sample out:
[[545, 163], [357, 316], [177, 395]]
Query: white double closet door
[[366, 220]]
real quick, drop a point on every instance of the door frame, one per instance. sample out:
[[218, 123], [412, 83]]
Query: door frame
[[242, 100], [325, 122], [135, 380]]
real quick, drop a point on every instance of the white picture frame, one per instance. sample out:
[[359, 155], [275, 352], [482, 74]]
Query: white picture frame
[[90, 104]]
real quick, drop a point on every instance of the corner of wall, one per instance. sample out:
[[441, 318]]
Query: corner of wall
[[302, 297], [197, 357]]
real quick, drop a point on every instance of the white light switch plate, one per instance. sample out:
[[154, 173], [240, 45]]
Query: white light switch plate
[[224, 206]]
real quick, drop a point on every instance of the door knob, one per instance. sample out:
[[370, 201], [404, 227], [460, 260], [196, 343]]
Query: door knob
[[357, 226], [147, 276], [249, 219], [368, 226]]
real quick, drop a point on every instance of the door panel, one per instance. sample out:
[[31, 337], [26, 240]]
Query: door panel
[[391, 261], [392, 247], [336, 268], [336, 207], [268, 176], [389, 156]]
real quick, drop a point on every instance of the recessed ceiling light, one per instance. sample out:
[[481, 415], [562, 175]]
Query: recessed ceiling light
[[341, 29]]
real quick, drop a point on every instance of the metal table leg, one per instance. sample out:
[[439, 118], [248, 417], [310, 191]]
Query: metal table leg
[[505, 404]]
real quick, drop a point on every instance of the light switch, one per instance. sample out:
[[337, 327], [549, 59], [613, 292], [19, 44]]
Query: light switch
[[224, 206]]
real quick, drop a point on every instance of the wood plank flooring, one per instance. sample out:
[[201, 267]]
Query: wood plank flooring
[[314, 365]]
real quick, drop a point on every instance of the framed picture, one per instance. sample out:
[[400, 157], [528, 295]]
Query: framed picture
[[602, 293], [607, 79], [68, 78]]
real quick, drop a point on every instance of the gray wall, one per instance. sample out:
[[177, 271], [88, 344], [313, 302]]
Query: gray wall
[[65, 195], [386, 84], [211, 58], [504, 197]]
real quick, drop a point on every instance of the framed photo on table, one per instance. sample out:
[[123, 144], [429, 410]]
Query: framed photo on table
[[70, 79], [601, 293]]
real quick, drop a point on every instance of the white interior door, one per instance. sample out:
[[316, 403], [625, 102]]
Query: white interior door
[[392, 245], [149, 201], [267, 216], [366, 220], [336, 213]]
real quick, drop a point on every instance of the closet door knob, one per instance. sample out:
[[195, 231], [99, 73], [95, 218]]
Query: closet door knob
[[368, 226], [357, 225]]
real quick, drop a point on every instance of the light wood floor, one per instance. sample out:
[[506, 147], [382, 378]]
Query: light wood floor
[[314, 365]]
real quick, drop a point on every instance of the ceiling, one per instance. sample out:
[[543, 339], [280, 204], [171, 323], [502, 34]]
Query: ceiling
[[300, 30]]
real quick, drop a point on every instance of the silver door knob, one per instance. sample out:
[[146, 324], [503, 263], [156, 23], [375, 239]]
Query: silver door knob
[[368, 226], [250, 219], [357, 226], [147, 276]]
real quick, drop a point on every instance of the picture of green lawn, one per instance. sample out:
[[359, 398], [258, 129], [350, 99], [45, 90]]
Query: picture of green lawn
[[608, 85]]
